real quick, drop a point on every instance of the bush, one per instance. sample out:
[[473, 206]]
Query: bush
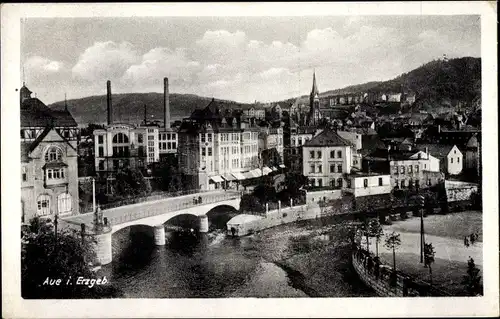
[[250, 203]]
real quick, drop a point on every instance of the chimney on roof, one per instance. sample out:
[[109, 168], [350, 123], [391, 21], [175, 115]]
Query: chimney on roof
[[166, 103], [109, 103]]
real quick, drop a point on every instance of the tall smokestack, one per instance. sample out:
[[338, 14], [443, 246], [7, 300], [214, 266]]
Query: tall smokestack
[[110, 109], [166, 103]]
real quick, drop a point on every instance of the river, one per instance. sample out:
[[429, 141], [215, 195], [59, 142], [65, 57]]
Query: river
[[215, 265]]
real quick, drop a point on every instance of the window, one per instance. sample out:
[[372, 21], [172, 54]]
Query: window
[[349, 183], [380, 182], [120, 138], [416, 168], [151, 143], [458, 160], [365, 182], [339, 168], [396, 183], [140, 138], [339, 182], [54, 173], [202, 137], [151, 138], [402, 169], [209, 151], [428, 182], [100, 139], [43, 205], [332, 168], [320, 169], [339, 154], [313, 182], [64, 203], [409, 168], [319, 154], [24, 173], [53, 154], [101, 165], [203, 151], [101, 151], [209, 137], [402, 183], [174, 136], [395, 169], [311, 169], [300, 141], [141, 151], [425, 166], [174, 145], [311, 154], [320, 182], [451, 159]]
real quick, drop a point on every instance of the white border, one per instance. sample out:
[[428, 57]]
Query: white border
[[13, 306]]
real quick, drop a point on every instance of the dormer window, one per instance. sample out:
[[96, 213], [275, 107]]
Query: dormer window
[[53, 154]]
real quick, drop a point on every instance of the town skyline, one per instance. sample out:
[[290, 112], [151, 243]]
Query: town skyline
[[230, 58]]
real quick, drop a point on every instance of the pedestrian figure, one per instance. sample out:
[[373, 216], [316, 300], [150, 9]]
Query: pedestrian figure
[[472, 239], [466, 241]]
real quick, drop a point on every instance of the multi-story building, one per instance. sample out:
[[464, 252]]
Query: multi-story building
[[411, 169], [367, 184], [121, 145], [450, 157], [271, 136], [49, 166], [327, 158], [294, 137], [214, 149]]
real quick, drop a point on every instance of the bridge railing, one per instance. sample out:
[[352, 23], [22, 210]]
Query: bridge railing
[[174, 206]]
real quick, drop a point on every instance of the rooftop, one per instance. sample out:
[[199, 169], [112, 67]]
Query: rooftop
[[327, 138]]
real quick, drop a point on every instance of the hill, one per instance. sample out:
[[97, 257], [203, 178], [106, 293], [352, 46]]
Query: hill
[[436, 84], [129, 107]]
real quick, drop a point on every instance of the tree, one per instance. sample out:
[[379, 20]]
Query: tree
[[131, 182], [393, 241], [376, 231], [429, 254], [294, 182], [472, 280], [47, 257], [250, 203]]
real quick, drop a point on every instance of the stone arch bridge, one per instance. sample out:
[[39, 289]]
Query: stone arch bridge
[[154, 214]]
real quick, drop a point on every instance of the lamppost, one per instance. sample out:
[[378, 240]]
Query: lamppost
[[93, 194], [421, 199]]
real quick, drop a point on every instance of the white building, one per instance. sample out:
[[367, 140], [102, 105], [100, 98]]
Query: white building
[[450, 157], [327, 158], [365, 184], [411, 169]]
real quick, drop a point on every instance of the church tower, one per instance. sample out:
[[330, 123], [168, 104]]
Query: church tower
[[314, 112]]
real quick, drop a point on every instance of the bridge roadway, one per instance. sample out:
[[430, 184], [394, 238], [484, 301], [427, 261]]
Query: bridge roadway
[[154, 214]]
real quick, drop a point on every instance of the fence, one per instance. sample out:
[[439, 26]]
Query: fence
[[386, 282], [171, 207]]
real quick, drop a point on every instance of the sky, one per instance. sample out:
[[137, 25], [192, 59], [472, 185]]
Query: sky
[[238, 58]]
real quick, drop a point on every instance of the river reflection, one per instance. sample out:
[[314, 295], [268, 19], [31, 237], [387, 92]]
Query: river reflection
[[211, 266]]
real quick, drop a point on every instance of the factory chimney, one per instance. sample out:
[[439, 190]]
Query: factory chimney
[[166, 103], [110, 109]]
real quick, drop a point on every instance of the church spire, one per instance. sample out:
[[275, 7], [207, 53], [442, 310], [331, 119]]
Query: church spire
[[314, 90], [65, 102]]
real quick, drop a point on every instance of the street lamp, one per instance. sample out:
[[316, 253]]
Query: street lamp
[[93, 194], [421, 200]]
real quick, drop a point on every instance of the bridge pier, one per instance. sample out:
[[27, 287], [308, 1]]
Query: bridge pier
[[203, 224], [159, 233], [103, 247]]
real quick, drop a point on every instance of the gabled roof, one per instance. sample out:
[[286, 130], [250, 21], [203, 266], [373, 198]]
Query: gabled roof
[[327, 138], [437, 150], [34, 113], [41, 137]]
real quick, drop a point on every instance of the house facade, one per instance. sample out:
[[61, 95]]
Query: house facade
[[365, 184], [327, 158], [49, 165]]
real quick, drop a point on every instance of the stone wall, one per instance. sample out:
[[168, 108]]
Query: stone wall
[[459, 191]]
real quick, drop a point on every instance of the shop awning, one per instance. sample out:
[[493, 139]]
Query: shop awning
[[228, 177], [282, 166], [248, 174], [257, 172], [238, 176], [216, 178], [266, 170]]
